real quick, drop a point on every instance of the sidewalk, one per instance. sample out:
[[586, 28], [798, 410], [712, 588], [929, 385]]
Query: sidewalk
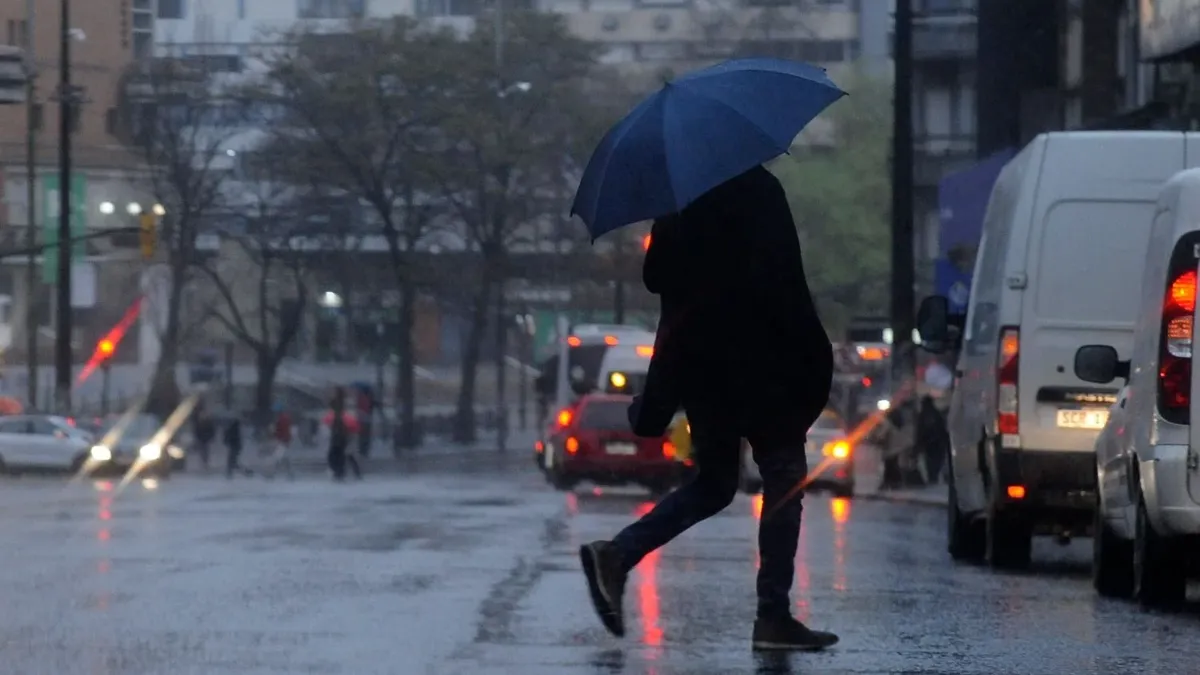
[[869, 474]]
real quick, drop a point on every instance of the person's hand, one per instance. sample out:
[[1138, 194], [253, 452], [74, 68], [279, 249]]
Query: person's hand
[[648, 421]]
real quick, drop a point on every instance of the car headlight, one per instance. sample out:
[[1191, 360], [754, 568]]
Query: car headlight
[[100, 453], [883, 404], [618, 380], [149, 452]]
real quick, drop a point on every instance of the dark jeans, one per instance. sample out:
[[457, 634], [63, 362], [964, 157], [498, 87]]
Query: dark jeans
[[716, 447], [337, 461], [233, 460]]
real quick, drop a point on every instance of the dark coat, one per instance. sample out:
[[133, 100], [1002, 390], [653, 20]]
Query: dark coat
[[739, 334]]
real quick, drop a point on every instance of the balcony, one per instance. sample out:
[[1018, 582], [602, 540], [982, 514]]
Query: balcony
[[935, 156], [945, 38]]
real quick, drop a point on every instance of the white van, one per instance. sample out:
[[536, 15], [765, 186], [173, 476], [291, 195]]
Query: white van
[[1148, 456], [1066, 229]]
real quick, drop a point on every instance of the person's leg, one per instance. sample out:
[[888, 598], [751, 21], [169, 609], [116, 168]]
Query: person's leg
[[780, 455], [352, 458], [231, 461], [716, 448]]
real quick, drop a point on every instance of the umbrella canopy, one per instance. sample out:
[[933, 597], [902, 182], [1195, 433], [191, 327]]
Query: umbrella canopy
[[695, 133]]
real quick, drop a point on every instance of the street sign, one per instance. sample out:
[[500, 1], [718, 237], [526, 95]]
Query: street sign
[[50, 221]]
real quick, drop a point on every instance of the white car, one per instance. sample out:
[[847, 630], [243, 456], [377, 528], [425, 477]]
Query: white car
[[1148, 455], [42, 442], [830, 459]]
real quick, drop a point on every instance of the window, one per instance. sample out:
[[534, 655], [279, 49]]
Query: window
[[171, 9], [330, 9], [14, 427], [42, 427], [18, 32]]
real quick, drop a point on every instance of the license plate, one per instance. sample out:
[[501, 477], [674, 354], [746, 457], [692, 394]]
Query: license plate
[[620, 448], [1082, 419]]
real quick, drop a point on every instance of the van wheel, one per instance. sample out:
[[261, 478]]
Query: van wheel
[[1159, 576], [1112, 560], [1009, 541], [964, 538]]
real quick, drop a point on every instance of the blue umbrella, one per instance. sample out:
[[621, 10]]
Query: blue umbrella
[[694, 134]]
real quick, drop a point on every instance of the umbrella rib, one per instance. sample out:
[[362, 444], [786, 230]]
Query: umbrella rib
[[623, 129]]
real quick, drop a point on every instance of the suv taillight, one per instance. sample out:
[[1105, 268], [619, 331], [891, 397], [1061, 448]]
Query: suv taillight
[[1175, 352], [1007, 363]]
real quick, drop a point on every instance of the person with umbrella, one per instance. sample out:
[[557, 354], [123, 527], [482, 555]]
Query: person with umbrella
[[739, 345]]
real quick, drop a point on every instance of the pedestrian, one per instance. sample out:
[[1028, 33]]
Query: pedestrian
[[204, 431], [366, 410], [932, 439], [339, 434], [282, 441], [741, 366], [233, 447]]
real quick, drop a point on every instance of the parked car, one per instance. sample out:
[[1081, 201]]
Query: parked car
[[590, 440], [1063, 236], [42, 443], [1147, 523]]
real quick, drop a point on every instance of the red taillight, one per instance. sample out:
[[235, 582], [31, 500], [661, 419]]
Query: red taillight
[[1007, 365], [1182, 294], [539, 447], [1175, 355], [668, 450], [572, 445], [564, 417]]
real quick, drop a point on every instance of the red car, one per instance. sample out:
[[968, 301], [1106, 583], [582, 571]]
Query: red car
[[591, 440]]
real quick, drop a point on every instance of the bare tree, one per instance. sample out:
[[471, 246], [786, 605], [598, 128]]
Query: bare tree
[[260, 277], [355, 105], [508, 130], [181, 125]]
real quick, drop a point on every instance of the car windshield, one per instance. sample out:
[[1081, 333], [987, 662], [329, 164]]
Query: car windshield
[[140, 427], [605, 416]]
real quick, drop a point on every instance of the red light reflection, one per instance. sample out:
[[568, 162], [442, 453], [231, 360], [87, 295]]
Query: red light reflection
[[643, 508], [840, 509], [105, 514], [802, 581], [104, 534], [572, 504], [103, 566], [652, 634]]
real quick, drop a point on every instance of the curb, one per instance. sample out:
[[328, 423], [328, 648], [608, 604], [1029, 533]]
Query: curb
[[916, 500]]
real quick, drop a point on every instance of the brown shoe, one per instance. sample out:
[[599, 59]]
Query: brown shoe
[[788, 634], [606, 583]]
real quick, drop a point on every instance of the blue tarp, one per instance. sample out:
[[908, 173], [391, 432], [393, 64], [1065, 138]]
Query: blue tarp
[[962, 202]]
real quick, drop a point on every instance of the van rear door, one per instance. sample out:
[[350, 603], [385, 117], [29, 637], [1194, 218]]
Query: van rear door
[[1085, 265]]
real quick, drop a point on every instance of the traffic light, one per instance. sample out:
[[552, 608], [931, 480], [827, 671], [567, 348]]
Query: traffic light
[[148, 233], [105, 348]]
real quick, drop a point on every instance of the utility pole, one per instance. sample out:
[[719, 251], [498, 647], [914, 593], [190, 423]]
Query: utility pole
[[903, 264], [501, 318], [31, 275], [619, 284], [66, 100]]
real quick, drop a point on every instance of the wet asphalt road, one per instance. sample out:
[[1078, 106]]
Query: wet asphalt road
[[450, 573]]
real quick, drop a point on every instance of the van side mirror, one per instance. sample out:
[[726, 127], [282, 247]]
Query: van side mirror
[[934, 324], [1100, 364]]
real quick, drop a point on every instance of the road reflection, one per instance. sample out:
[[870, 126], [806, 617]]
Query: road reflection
[[648, 601], [839, 508]]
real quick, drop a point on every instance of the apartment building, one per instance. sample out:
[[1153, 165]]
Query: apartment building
[[945, 45], [105, 37]]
